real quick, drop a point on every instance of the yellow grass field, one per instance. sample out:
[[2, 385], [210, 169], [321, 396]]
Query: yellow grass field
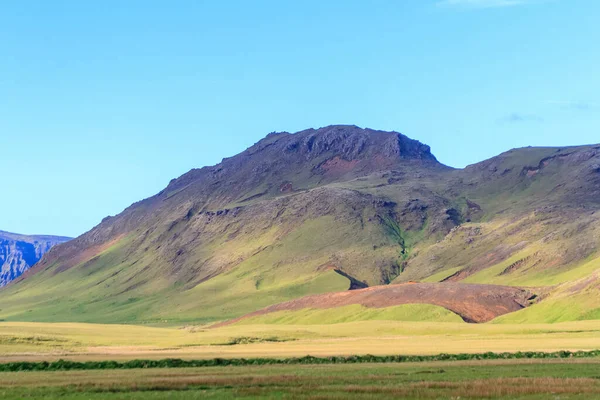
[[51, 341]]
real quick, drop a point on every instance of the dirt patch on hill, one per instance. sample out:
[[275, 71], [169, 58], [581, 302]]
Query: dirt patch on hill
[[474, 303], [338, 166]]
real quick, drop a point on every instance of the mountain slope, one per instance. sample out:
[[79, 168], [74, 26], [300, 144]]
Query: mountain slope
[[320, 211], [18, 253]]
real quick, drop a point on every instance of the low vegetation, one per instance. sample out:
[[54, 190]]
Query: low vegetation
[[507, 379], [65, 365]]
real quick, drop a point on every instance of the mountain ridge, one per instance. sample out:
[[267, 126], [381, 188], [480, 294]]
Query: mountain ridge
[[276, 222]]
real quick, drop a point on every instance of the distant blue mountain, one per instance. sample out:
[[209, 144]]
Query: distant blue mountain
[[18, 253]]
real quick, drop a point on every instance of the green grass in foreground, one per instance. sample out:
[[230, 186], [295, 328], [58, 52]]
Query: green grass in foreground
[[65, 365], [508, 379]]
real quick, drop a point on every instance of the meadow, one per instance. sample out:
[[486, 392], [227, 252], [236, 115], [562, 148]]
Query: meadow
[[26, 341], [511, 376], [513, 379]]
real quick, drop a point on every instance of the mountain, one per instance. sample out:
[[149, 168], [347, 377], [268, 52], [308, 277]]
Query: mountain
[[329, 210], [18, 253]]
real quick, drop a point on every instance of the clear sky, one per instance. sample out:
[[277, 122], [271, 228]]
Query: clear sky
[[103, 102]]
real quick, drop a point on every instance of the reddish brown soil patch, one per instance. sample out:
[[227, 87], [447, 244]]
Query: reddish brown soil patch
[[474, 303], [338, 166]]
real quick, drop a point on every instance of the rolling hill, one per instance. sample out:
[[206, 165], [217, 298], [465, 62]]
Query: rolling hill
[[18, 253], [329, 210]]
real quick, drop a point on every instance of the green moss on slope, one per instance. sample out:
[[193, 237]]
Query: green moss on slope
[[351, 313]]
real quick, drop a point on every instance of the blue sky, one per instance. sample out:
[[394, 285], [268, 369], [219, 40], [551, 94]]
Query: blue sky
[[102, 103]]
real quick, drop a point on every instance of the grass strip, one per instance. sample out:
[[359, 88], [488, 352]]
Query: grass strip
[[65, 365]]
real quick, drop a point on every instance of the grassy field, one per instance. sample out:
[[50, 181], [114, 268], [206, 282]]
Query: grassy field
[[46, 341], [569, 378], [522, 379]]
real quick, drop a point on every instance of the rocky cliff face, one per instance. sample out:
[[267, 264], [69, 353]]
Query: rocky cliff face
[[18, 253]]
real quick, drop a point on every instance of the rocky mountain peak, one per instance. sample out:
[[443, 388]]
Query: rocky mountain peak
[[283, 163], [349, 142]]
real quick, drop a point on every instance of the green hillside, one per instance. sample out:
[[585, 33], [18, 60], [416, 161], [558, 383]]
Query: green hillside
[[405, 312], [329, 210]]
